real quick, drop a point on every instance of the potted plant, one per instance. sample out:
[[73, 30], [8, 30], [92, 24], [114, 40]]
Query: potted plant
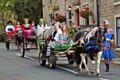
[[60, 18], [85, 13]]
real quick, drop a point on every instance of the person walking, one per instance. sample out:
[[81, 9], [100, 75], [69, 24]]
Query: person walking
[[108, 51]]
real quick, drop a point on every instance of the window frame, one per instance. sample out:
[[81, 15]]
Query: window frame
[[117, 32]]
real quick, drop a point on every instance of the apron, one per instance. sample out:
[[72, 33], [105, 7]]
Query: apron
[[108, 52]]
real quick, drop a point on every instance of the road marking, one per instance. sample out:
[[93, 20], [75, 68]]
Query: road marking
[[68, 70], [103, 79], [26, 57]]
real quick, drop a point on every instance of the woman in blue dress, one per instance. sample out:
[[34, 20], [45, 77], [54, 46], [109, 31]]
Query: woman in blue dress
[[108, 51]]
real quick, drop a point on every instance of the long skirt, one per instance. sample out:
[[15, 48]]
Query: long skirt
[[108, 52], [27, 34], [10, 33], [51, 45]]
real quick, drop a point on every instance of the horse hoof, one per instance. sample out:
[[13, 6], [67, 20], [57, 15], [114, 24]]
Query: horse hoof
[[80, 70], [88, 72], [98, 74], [92, 72]]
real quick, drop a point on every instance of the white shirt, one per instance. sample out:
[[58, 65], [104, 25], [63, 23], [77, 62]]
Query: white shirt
[[57, 36], [9, 26]]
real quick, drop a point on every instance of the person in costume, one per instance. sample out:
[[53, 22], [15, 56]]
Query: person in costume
[[18, 27], [27, 29], [57, 39], [109, 46], [10, 30], [41, 23]]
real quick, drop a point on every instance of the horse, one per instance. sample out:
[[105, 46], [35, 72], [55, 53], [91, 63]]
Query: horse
[[88, 42], [93, 45], [18, 38], [43, 33]]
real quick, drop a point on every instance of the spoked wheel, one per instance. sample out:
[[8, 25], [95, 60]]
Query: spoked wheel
[[22, 51], [42, 61], [52, 61], [71, 59], [7, 44]]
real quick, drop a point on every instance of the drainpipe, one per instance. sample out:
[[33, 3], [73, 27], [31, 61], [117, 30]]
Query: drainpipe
[[98, 16]]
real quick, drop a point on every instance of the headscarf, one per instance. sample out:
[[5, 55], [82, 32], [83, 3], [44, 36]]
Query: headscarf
[[105, 22]]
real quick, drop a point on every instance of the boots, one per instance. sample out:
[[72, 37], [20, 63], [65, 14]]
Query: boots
[[107, 67]]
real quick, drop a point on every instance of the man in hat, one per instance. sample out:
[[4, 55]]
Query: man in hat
[[108, 51]]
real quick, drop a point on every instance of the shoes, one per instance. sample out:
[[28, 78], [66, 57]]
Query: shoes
[[107, 70]]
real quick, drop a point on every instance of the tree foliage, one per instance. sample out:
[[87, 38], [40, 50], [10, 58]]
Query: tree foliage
[[19, 9], [31, 9]]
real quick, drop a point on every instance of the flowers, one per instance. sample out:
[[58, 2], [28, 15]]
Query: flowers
[[60, 18], [85, 12]]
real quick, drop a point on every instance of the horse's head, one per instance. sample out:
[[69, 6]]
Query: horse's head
[[19, 33], [99, 35], [39, 32]]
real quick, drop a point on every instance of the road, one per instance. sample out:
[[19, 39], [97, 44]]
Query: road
[[13, 67]]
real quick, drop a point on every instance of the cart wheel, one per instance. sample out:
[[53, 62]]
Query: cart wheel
[[52, 61], [22, 51], [41, 61], [71, 59], [7, 44]]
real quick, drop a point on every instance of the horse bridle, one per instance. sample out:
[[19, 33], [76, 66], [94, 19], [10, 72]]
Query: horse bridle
[[101, 42]]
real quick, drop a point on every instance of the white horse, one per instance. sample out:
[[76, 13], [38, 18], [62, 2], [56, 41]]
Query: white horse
[[43, 33]]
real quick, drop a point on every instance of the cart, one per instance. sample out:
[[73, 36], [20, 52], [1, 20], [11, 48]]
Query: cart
[[25, 43], [55, 53]]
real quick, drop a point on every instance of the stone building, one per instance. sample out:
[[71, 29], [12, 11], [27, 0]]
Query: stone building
[[67, 8], [108, 10]]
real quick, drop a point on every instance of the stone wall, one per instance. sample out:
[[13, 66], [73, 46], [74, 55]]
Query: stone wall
[[106, 8]]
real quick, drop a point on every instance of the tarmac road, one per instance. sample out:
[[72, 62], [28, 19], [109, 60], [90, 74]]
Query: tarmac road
[[13, 67]]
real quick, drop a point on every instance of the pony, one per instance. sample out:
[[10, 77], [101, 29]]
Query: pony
[[89, 42], [18, 38]]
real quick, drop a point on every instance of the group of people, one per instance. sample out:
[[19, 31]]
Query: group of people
[[60, 36], [109, 44], [26, 28]]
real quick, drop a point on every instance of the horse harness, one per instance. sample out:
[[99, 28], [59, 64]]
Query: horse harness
[[91, 43]]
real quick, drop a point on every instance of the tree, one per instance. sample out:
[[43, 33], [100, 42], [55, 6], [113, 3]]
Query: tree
[[6, 7], [28, 9]]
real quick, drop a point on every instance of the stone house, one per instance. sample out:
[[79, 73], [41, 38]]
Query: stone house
[[107, 10], [53, 7]]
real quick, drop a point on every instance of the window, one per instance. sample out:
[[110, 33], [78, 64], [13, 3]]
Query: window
[[50, 18], [118, 30], [116, 0], [49, 2]]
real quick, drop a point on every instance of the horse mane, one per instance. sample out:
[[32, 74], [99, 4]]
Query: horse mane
[[91, 33]]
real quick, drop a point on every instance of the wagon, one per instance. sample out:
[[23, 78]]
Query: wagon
[[25, 43], [55, 53]]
